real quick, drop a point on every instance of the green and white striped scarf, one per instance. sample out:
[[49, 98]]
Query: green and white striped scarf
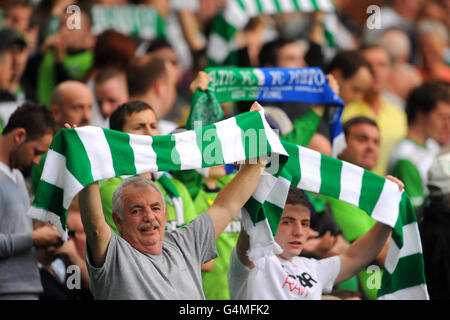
[[403, 276], [78, 157], [81, 156], [173, 196], [141, 21], [221, 43]]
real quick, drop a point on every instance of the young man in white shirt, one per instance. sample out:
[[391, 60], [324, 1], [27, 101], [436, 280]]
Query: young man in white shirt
[[289, 277]]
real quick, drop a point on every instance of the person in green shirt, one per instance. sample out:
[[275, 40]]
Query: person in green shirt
[[428, 113], [214, 279], [66, 55], [363, 149], [137, 117], [410, 162]]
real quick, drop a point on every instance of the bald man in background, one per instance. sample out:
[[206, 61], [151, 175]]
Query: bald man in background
[[71, 103]]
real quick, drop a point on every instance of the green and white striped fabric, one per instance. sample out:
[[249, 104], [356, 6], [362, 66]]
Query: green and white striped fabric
[[141, 21], [78, 157], [306, 169], [81, 156], [403, 276], [221, 43], [173, 196]]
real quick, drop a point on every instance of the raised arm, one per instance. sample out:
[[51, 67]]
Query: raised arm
[[97, 230], [200, 82], [234, 195], [363, 251], [366, 249]]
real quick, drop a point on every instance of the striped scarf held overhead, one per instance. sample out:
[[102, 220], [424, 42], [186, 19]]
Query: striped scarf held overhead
[[78, 157], [222, 50], [81, 156], [173, 196], [306, 169], [403, 276]]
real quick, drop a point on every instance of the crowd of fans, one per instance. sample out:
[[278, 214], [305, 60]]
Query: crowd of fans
[[129, 65]]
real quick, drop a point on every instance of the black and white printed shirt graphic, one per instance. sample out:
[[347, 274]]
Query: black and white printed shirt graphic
[[299, 279]]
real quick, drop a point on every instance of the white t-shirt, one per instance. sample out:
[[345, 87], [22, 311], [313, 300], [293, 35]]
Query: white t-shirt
[[301, 279]]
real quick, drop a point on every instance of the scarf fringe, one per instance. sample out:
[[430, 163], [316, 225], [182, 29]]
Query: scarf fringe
[[262, 243], [48, 216]]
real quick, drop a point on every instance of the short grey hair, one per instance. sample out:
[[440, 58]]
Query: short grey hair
[[138, 181]]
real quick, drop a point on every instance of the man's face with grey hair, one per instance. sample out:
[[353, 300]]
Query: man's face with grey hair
[[144, 218]]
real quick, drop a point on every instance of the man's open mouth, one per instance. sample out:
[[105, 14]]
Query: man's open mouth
[[295, 243], [148, 227]]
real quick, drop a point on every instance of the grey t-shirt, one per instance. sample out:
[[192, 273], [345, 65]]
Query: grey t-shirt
[[175, 274]]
